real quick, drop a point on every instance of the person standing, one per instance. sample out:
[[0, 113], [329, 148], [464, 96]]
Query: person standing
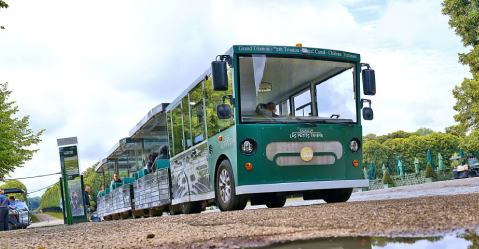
[[87, 201], [3, 211]]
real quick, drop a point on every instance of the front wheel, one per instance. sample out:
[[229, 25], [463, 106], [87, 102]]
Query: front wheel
[[336, 195], [225, 189]]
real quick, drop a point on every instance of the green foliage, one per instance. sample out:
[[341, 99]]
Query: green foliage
[[34, 218], [387, 178], [385, 149], [33, 202], [58, 215], [3, 5], [429, 172], [375, 152], [471, 141], [15, 136], [16, 184], [464, 19], [51, 197]]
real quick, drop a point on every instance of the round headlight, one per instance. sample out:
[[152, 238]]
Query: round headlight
[[248, 146], [354, 145]]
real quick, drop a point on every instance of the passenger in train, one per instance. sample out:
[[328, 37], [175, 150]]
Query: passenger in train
[[163, 152], [116, 178], [102, 190], [151, 166]]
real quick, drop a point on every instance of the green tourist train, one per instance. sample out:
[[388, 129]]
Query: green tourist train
[[262, 123]]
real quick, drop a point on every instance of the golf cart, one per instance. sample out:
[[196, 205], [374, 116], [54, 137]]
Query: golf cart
[[468, 168], [19, 216]]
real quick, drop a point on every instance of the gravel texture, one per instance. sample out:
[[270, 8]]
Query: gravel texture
[[407, 216]]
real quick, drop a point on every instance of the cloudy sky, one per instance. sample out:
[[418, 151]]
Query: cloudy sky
[[93, 69]]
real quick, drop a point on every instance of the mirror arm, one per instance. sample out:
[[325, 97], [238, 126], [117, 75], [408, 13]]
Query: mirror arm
[[365, 65], [226, 58], [230, 97], [365, 100]]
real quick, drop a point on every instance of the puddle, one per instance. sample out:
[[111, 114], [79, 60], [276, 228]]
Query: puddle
[[466, 241]]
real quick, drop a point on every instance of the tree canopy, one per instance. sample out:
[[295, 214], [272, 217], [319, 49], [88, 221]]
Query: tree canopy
[[16, 184], [15, 135], [3, 5], [464, 19], [386, 149]]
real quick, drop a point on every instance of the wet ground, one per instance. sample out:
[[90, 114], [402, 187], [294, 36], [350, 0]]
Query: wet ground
[[373, 216], [462, 239]]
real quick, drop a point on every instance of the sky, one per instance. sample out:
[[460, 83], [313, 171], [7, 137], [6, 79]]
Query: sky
[[94, 69]]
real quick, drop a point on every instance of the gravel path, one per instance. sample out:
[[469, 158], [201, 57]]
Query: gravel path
[[423, 215]]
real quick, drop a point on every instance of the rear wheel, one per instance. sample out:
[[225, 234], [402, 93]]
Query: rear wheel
[[336, 195], [225, 189], [174, 209], [469, 175], [191, 207], [276, 201]]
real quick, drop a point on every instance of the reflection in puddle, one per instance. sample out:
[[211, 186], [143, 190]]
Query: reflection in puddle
[[466, 241]]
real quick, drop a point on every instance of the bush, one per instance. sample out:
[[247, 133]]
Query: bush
[[429, 172], [387, 178]]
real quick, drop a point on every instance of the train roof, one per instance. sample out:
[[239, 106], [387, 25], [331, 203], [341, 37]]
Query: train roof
[[153, 125]]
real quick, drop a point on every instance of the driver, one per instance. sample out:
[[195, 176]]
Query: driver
[[271, 108]]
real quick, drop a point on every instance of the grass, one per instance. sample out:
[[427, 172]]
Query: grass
[[57, 215], [35, 219]]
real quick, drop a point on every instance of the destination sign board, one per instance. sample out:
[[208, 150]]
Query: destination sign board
[[69, 160]]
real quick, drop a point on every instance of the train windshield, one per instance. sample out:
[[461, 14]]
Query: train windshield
[[295, 90]]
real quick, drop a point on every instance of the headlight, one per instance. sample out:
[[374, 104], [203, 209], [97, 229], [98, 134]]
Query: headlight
[[248, 146], [354, 145]]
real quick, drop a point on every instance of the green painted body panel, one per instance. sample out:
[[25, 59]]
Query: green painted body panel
[[226, 147], [266, 171]]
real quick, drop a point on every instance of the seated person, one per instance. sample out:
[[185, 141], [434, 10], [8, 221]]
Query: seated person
[[12, 201], [163, 152], [116, 178], [102, 190], [271, 108]]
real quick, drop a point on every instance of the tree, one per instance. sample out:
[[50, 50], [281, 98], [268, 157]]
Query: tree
[[470, 142], [375, 152], [16, 184], [15, 135], [423, 131], [387, 178], [429, 171], [464, 19], [3, 5]]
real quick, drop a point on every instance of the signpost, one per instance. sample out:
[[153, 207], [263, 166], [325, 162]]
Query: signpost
[[72, 190]]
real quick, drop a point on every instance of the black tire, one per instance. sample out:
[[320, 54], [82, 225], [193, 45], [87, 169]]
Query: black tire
[[469, 175], [171, 210], [10, 226], [276, 201], [191, 207], [336, 195], [225, 189]]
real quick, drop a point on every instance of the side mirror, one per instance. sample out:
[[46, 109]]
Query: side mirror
[[223, 111], [369, 81], [367, 111], [220, 75]]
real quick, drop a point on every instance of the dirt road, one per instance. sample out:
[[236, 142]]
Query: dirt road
[[424, 215]]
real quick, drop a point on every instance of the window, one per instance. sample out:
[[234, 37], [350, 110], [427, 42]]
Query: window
[[213, 99], [197, 120], [270, 82], [178, 136], [186, 121]]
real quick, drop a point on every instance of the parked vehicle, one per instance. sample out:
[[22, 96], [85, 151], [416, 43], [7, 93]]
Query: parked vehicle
[[468, 168], [19, 216]]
